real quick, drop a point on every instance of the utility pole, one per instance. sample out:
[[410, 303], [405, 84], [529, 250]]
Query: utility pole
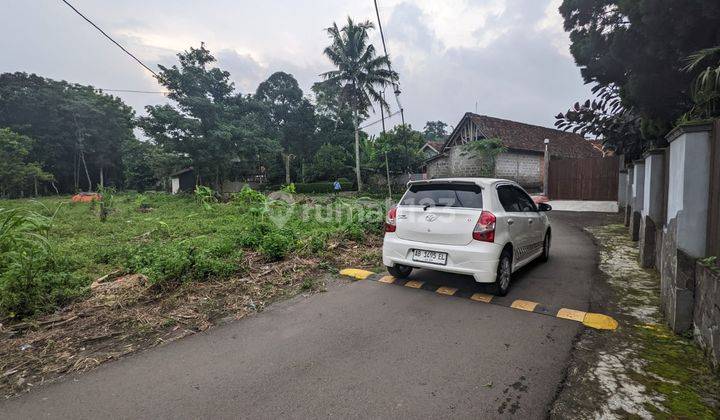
[[547, 168], [387, 171], [382, 113]]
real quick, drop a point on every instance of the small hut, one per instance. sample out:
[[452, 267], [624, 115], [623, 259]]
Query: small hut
[[183, 180]]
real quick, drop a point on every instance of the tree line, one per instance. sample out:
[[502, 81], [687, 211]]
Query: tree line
[[60, 137], [652, 64]]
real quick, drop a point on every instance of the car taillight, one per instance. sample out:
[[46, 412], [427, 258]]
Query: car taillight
[[485, 227], [390, 220]]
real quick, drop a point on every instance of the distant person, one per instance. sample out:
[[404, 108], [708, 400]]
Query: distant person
[[337, 187]]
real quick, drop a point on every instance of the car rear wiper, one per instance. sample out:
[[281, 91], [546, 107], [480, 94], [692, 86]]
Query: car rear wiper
[[426, 206]]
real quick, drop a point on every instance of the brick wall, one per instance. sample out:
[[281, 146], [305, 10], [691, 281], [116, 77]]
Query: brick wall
[[524, 168]]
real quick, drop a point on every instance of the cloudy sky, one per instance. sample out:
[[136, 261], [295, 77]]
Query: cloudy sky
[[505, 58]]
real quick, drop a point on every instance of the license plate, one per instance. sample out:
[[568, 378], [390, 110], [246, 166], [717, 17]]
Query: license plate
[[431, 257]]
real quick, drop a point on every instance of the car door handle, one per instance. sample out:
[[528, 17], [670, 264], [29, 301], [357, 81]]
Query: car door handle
[[510, 221], [530, 221]]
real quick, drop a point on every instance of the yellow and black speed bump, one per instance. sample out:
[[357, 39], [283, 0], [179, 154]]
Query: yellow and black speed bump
[[592, 320]]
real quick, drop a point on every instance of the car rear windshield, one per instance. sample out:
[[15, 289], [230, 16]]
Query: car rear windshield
[[443, 195]]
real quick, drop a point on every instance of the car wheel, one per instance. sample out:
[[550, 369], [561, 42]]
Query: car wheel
[[546, 248], [504, 272], [399, 271]]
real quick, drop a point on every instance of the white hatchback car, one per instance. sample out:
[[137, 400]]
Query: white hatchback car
[[486, 228]]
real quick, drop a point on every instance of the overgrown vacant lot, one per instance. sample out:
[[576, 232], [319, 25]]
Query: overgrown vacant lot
[[158, 268]]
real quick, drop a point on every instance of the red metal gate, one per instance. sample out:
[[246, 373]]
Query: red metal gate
[[584, 179]]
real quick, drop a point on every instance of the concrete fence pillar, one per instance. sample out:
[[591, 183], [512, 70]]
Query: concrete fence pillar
[[638, 199], [622, 182], [653, 206], [685, 234], [628, 193]]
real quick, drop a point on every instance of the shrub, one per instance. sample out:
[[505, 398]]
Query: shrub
[[32, 278], [354, 232], [276, 245], [290, 188], [318, 243], [248, 196], [41, 284], [205, 265], [142, 202], [253, 235], [106, 202], [205, 196]]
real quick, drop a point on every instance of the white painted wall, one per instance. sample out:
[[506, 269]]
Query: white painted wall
[[638, 186], [653, 189], [175, 185], [688, 191], [622, 189]]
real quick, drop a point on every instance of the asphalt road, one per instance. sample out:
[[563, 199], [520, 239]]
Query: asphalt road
[[363, 349]]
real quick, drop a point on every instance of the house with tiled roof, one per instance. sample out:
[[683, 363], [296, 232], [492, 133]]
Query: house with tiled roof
[[431, 148], [523, 158]]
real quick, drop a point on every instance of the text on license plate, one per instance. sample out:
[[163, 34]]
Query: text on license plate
[[431, 257]]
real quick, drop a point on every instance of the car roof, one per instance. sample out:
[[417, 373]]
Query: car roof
[[483, 182]]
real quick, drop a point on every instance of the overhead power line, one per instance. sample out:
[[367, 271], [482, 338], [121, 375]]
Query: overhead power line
[[395, 85], [379, 121], [110, 38], [134, 91]]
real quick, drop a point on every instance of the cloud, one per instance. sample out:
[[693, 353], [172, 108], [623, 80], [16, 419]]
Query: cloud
[[511, 56]]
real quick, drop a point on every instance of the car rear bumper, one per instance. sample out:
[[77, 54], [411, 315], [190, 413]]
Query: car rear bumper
[[477, 259]]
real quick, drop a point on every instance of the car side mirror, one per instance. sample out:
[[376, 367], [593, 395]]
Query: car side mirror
[[544, 207]]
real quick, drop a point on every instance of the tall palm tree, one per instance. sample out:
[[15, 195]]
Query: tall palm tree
[[361, 74]]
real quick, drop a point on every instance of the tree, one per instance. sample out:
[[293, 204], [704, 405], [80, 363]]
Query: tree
[[292, 117], [402, 145], [77, 131], [360, 74], [17, 173], [435, 131], [638, 48], [330, 163], [207, 122], [607, 119]]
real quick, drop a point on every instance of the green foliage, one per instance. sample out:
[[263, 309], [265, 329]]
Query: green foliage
[[706, 86], [291, 116], [17, 174], [330, 162], [276, 245], [222, 132], [435, 131], [360, 76], [290, 188], [487, 150], [106, 202], [253, 234], [402, 145], [322, 187], [248, 196], [75, 129], [205, 196], [46, 262], [142, 202], [318, 243], [638, 48], [32, 277]]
